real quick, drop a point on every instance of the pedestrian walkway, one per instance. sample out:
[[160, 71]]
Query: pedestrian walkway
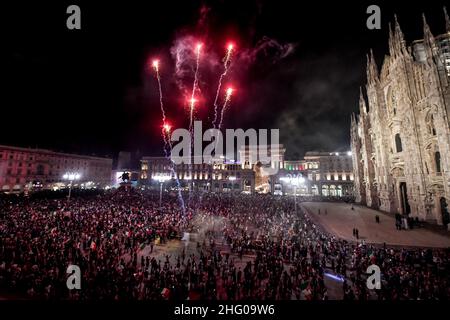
[[338, 218]]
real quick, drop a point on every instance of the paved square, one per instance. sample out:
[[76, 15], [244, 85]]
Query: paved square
[[340, 220]]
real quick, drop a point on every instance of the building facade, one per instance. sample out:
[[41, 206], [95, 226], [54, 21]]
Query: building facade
[[401, 138], [328, 174], [324, 173], [22, 169], [220, 176]]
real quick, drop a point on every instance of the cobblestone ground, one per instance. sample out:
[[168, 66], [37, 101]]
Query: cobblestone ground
[[340, 219]]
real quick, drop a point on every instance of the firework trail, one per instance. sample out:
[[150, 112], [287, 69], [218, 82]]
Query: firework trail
[[194, 86], [191, 130], [166, 136], [166, 131], [158, 77], [192, 102], [165, 127], [226, 65], [226, 102]]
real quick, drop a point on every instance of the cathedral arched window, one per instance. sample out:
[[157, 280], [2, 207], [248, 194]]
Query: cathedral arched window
[[430, 125], [437, 159], [398, 143]]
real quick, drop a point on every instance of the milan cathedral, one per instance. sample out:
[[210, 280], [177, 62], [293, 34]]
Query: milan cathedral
[[401, 137]]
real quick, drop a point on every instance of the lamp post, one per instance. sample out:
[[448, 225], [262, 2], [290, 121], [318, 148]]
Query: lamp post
[[232, 179], [161, 179], [294, 180], [71, 177]]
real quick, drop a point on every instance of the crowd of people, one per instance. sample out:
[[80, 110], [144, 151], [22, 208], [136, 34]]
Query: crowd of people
[[245, 247]]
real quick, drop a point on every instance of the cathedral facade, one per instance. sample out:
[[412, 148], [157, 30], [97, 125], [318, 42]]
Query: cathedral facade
[[401, 137]]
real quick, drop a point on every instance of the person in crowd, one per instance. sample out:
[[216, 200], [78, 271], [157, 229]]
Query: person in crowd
[[247, 247]]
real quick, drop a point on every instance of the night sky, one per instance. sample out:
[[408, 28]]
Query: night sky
[[298, 67]]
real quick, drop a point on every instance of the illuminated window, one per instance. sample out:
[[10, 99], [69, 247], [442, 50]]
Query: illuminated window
[[325, 190], [332, 191]]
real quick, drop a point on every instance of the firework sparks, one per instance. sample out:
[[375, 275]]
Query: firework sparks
[[226, 65], [228, 55], [199, 47], [191, 112], [192, 100], [228, 94], [195, 85], [192, 103], [155, 65], [166, 129], [165, 132]]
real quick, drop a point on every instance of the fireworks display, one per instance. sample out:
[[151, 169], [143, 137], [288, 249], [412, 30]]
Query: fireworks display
[[166, 129], [193, 100], [226, 65], [194, 60]]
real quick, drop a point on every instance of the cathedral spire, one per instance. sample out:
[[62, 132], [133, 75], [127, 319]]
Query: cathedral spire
[[362, 103], [447, 20], [373, 63], [372, 69], [428, 37], [391, 40], [353, 121], [399, 40]]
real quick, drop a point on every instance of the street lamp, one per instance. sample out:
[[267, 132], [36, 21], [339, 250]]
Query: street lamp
[[71, 177], [232, 184], [294, 180], [161, 179]]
